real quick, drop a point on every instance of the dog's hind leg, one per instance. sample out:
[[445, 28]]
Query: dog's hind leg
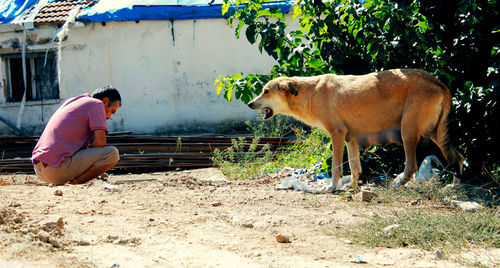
[[354, 164], [410, 135]]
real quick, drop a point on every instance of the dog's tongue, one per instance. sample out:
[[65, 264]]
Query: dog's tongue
[[268, 114]]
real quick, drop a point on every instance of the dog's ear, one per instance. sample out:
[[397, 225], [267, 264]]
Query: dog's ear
[[290, 87]]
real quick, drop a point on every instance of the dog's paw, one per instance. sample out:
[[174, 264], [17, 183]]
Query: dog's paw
[[328, 188], [399, 180]]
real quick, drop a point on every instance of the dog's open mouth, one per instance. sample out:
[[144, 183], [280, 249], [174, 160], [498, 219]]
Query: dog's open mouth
[[269, 113]]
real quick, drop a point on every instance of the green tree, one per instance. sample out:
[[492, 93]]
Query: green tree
[[457, 41]]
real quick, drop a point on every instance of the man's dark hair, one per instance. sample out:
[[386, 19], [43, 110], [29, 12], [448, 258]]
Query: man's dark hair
[[107, 92]]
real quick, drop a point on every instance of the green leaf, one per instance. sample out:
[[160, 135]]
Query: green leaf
[[316, 64], [225, 8], [356, 31], [342, 18], [237, 76], [264, 12], [240, 25], [423, 26], [250, 33], [220, 85], [297, 11], [229, 92]]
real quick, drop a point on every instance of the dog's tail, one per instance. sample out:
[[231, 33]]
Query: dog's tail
[[450, 153]]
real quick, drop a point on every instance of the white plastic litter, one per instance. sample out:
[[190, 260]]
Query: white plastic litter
[[305, 180], [427, 170], [111, 188]]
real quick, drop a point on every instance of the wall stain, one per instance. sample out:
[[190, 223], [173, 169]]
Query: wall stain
[[173, 32]]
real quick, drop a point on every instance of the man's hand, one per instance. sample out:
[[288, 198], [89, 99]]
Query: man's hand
[[99, 138]]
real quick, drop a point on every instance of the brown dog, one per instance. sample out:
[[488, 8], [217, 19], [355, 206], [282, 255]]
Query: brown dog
[[393, 105]]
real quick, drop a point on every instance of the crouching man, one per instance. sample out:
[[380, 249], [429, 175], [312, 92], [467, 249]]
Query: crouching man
[[72, 148]]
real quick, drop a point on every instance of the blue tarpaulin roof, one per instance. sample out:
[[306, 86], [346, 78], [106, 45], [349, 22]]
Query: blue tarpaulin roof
[[10, 9], [136, 10]]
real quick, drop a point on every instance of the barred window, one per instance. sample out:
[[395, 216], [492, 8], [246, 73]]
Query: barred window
[[41, 77]]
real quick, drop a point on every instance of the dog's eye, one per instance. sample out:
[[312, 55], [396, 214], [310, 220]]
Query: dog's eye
[[266, 91]]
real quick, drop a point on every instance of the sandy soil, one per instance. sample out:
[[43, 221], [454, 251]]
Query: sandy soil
[[190, 219]]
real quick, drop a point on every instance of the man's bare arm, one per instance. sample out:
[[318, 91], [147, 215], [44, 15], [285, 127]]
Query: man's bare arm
[[99, 138]]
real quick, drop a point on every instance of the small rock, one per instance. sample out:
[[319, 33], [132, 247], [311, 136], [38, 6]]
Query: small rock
[[31, 237], [43, 236], [466, 205], [372, 214], [348, 241], [367, 195], [82, 242], [54, 227], [54, 242], [438, 254], [247, 225], [216, 204], [111, 238], [18, 220], [282, 239], [132, 240], [58, 193], [390, 227], [415, 202], [14, 204]]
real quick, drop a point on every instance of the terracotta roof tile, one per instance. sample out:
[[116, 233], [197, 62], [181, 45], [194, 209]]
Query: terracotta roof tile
[[57, 11]]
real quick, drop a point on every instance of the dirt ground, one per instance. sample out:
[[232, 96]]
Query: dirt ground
[[191, 218]]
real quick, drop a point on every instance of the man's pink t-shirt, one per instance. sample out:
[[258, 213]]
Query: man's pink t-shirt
[[70, 129]]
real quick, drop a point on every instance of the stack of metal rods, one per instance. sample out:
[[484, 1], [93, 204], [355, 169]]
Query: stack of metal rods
[[139, 153]]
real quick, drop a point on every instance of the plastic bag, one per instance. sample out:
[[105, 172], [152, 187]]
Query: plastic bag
[[427, 170]]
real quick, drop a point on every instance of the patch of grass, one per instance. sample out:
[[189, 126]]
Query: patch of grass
[[431, 191], [307, 150], [243, 160], [450, 230]]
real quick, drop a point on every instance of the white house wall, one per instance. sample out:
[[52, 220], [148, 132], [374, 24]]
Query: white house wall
[[163, 70]]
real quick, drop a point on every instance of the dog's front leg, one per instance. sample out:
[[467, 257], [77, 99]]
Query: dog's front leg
[[338, 139]]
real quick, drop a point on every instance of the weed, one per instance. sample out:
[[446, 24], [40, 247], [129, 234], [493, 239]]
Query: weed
[[307, 150], [429, 224], [432, 190], [178, 147], [243, 160], [278, 126], [427, 229]]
